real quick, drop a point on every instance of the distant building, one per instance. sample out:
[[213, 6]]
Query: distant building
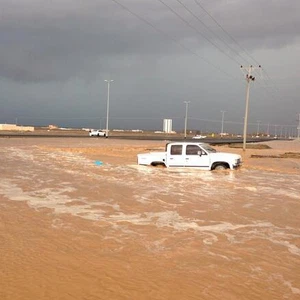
[[167, 126], [14, 127]]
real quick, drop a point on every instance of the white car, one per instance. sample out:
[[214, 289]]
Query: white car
[[199, 136], [97, 133]]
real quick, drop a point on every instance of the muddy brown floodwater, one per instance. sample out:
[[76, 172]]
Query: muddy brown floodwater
[[80, 220]]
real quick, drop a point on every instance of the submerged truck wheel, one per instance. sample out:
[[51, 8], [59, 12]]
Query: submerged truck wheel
[[220, 166], [158, 164]]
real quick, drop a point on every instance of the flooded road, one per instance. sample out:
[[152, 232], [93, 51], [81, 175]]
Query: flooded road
[[72, 227]]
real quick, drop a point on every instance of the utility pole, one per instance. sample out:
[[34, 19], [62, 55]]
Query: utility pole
[[249, 78], [298, 128], [222, 129], [107, 105], [186, 116]]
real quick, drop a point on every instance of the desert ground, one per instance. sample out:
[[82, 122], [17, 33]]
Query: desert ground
[[80, 220]]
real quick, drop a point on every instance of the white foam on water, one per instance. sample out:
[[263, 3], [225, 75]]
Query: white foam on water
[[59, 202], [219, 255], [249, 188], [142, 169], [210, 240], [53, 199], [156, 246], [231, 238], [293, 249], [160, 219], [290, 194], [294, 290]]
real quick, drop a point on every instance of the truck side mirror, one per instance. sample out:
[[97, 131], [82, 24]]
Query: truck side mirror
[[199, 152]]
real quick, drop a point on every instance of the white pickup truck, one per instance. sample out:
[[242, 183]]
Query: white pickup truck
[[190, 154]]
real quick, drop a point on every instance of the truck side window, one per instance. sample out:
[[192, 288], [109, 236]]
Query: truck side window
[[192, 150], [176, 150]]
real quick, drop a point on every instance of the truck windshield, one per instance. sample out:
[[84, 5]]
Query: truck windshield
[[208, 148]]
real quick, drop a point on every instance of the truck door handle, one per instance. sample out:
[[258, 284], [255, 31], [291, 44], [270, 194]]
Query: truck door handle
[[171, 158], [187, 158]]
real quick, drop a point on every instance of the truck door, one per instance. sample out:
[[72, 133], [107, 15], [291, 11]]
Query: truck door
[[195, 156], [175, 156]]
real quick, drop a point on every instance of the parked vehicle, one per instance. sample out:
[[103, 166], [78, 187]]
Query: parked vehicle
[[97, 133], [191, 154]]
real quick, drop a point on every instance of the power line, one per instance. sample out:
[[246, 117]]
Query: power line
[[242, 48], [226, 32], [272, 90], [187, 23], [270, 79], [171, 38], [196, 30], [211, 31]]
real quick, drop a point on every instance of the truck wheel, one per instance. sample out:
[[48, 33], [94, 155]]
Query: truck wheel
[[158, 164], [220, 167]]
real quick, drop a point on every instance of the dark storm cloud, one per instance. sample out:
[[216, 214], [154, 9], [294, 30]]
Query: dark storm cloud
[[58, 40], [259, 23], [41, 43]]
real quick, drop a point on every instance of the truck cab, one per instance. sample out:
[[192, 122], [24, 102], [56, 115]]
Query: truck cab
[[186, 155]]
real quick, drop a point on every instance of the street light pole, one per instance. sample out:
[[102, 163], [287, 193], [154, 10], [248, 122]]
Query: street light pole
[[257, 133], [186, 116], [298, 128], [222, 129], [107, 106]]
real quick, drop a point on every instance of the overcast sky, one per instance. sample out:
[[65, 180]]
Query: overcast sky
[[56, 54]]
